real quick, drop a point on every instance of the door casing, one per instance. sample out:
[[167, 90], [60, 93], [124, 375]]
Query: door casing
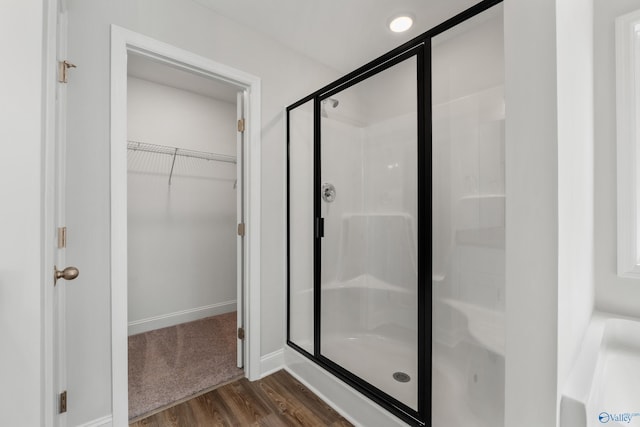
[[124, 42]]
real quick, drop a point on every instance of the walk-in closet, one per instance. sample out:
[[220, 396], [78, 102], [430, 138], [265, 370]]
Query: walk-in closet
[[182, 204]]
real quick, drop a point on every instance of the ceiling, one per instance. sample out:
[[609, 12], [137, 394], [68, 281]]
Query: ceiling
[[148, 69], [342, 34]]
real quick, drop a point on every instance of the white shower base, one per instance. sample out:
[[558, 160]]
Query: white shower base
[[456, 400], [453, 403], [368, 328], [375, 359]]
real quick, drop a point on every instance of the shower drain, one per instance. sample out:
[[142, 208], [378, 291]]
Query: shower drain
[[401, 377]]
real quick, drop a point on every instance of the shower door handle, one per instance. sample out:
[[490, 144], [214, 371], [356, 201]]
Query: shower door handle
[[328, 192], [319, 228]]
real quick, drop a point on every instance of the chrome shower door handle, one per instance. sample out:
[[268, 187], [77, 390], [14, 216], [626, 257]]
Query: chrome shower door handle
[[328, 192]]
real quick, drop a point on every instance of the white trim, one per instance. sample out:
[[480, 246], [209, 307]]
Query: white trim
[[252, 209], [106, 421], [355, 407], [119, 356], [182, 316], [627, 106], [271, 362], [60, 294], [49, 389], [285, 228], [240, 246], [124, 42]]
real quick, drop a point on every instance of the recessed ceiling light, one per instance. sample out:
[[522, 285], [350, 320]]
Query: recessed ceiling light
[[400, 23]]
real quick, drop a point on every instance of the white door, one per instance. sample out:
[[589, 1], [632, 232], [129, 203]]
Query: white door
[[82, 314], [240, 108], [61, 273]]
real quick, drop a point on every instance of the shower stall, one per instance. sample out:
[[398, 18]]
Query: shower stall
[[396, 225]]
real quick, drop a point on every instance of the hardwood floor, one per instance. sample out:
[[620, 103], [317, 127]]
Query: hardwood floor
[[274, 401]]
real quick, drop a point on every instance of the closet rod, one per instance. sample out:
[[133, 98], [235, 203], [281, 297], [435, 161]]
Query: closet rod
[[173, 151]]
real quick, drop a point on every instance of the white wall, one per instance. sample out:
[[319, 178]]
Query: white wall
[[550, 242], [164, 115], [531, 134], [181, 238], [286, 76], [613, 294], [21, 250], [575, 179]]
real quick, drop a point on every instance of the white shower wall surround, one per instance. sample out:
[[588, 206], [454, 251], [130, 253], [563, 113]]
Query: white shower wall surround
[[380, 191], [181, 247], [373, 145], [468, 224], [369, 269]]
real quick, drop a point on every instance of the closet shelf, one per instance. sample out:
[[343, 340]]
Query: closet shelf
[[173, 151]]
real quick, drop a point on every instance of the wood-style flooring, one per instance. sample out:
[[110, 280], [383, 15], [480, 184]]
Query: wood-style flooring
[[274, 401]]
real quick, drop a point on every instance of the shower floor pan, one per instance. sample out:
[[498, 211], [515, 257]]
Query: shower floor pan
[[376, 359]]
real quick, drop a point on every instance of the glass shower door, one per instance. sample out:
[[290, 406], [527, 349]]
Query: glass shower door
[[367, 207]]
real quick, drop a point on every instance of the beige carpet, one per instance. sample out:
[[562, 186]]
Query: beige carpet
[[170, 364]]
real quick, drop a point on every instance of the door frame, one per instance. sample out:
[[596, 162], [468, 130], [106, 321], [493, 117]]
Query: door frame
[[123, 42], [51, 162]]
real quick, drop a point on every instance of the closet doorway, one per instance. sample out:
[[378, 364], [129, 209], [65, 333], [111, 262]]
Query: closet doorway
[[184, 234], [126, 44]]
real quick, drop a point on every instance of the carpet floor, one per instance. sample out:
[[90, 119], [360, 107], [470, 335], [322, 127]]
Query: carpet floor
[[170, 364]]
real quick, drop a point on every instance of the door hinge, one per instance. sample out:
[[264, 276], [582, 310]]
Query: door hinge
[[62, 237], [63, 402], [241, 229], [63, 67], [240, 333], [241, 125]]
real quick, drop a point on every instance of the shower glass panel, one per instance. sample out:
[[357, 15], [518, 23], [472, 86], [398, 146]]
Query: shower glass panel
[[468, 223], [300, 216], [368, 199]]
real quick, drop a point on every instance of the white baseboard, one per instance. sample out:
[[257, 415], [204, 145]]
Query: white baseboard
[[175, 318], [271, 363], [106, 421]]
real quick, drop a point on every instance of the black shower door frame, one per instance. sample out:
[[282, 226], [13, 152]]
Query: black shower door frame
[[420, 48]]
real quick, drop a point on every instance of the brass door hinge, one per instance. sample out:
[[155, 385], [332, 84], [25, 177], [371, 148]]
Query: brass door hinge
[[241, 125], [240, 333], [63, 402], [63, 67], [241, 229], [62, 237]]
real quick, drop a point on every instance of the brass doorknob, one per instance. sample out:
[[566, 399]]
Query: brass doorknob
[[68, 273]]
